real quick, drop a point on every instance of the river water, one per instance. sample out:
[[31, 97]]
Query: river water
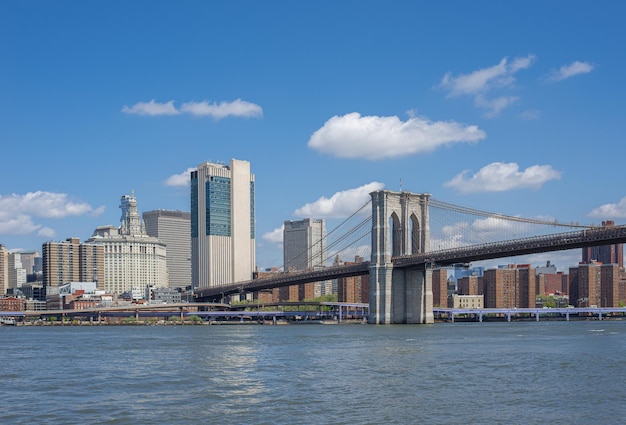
[[446, 373]]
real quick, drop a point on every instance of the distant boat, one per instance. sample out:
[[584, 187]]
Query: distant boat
[[7, 321]]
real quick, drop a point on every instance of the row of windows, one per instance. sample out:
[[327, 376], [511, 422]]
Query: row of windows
[[218, 210], [194, 204], [218, 206]]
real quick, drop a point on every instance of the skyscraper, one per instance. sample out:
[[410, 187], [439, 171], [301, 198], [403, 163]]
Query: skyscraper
[[174, 229], [304, 248], [222, 224], [304, 244]]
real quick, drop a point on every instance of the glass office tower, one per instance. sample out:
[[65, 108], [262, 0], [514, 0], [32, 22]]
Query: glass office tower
[[222, 224]]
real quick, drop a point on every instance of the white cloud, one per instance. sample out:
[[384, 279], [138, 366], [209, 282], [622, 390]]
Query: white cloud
[[98, 211], [151, 108], [374, 137], [494, 106], [43, 204], [480, 82], [499, 177], [17, 225], [181, 179], [17, 211], [341, 204], [608, 211], [483, 80], [575, 68], [275, 236], [46, 232], [236, 108]]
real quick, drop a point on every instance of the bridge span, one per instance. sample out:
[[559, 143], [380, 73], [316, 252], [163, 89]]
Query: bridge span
[[557, 242], [401, 264]]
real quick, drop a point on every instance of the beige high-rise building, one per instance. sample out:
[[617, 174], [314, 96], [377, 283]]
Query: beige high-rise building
[[17, 273], [72, 261], [304, 248], [304, 244], [174, 229], [223, 224], [4, 270], [132, 259]]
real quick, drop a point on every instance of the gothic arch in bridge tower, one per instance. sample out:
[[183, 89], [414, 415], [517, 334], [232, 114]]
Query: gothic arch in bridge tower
[[400, 226]]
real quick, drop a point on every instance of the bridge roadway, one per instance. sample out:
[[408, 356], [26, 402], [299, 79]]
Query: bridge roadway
[[555, 242]]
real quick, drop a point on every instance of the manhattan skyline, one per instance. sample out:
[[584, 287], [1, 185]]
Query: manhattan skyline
[[513, 108]]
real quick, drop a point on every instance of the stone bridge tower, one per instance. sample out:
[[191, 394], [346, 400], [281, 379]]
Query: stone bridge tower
[[400, 226]]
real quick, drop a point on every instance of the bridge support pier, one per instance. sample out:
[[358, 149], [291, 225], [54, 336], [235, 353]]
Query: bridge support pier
[[399, 227]]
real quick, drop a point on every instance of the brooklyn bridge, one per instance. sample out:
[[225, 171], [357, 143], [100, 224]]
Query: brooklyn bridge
[[407, 235]]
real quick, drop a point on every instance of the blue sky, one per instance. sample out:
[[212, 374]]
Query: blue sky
[[514, 107]]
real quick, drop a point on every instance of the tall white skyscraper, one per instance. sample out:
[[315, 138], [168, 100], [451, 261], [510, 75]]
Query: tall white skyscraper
[[222, 224], [174, 229]]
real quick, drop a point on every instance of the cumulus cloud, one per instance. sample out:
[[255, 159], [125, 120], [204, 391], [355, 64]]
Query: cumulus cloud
[[43, 204], [568, 71], [180, 180], [480, 82], [341, 204], [17, 211], [374, 137], [236, 108], [608, 211], [275, 236], [499, 177], [151, 108], [17, 225]]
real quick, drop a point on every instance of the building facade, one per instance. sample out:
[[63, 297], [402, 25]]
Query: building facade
[[304, 244], [597, 284], [174, 229], [510, 286], [440, 287], [354, 289], [132, 259], [4, 270], [588, 285], [72, 261], [304, 248], [17, 272], [223, 228]]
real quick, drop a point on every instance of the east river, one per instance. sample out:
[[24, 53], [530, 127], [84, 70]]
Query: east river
[[446, 373]]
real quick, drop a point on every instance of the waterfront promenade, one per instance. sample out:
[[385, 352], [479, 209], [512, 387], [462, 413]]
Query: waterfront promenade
[[196, 313], [509, 314], [283, 313]]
